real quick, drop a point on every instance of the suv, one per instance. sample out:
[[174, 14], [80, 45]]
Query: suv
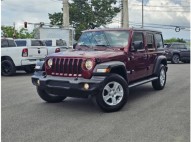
[[105, 64], [19, 58], [176, 52]]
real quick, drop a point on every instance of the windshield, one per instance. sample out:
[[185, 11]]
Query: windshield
[[104, 38]]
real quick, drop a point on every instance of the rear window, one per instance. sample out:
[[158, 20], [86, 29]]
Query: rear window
[[48, 42], [21, 42], [37, 43]]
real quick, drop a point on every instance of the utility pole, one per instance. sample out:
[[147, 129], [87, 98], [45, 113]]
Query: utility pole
[[65, 14], [14, 33], [142, 15], [125, 14]]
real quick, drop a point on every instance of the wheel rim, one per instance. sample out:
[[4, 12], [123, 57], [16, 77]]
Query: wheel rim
[[176, 59], [113, 93], [162, 77], [6, 68]]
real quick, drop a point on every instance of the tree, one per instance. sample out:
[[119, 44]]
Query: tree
[[85, 15], [8, 31], [174, 40]]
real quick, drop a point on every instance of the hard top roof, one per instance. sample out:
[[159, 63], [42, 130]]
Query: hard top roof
[[123, 29]]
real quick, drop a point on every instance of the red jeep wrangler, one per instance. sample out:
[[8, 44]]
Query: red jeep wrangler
[[104, 64]]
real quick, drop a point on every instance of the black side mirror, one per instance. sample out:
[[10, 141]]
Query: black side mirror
[[136, 45], [74, 45]]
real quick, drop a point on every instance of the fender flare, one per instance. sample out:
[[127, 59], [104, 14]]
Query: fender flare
[[160, 60], [112, 65]]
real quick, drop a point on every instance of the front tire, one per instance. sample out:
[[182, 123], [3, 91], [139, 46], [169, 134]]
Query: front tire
[[159, 84], [113, 94], [48, 97], [7, 68], [175, 59]]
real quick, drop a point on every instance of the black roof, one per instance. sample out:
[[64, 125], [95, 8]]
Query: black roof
[[123, 29]]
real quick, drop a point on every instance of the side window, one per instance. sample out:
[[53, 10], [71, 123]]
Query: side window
[[174, 46], [159, 41], [181, 46], [11, 43], [137, 41], [21, 42], [4, 43], [150, 41]]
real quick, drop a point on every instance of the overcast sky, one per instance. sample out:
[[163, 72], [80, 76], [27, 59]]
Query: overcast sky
[[163, 12]]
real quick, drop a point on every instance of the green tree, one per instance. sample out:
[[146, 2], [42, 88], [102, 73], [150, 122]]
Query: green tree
[[85, 15], [8, 31], [174, 40]]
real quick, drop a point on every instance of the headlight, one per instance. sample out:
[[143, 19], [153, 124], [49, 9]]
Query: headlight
[[89, 64], [49, 63]]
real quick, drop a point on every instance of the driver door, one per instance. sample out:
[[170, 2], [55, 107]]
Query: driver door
[[138, 56]]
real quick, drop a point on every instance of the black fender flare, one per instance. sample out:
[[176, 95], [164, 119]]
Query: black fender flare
[[111, 65], [160, 60]]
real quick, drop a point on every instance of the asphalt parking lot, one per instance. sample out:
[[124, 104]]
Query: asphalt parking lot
[[148, 116]]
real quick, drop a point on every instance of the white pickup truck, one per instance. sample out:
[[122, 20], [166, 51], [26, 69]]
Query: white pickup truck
[[36, 42], [19, 58]]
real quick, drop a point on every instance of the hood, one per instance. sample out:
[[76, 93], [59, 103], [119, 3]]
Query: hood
[[89, 54]]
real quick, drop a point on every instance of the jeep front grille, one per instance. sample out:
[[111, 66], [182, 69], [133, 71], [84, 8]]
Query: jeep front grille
[[70, 67]]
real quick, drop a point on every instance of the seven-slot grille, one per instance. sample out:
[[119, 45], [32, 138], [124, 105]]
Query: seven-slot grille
[[67, 67]]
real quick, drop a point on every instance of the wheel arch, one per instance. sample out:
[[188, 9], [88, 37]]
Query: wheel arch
[[160, 60], [7, 58], [114, 67]]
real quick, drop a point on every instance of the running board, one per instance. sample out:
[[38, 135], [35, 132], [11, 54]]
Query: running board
[[142, 82]]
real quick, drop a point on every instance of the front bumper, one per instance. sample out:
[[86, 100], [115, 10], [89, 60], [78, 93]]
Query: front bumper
[[68, 86]]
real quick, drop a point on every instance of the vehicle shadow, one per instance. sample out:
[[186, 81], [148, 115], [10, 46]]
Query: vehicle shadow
[[89, 105], [19, 73]]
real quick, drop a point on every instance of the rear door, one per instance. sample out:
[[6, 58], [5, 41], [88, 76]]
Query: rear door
[[37, 49]]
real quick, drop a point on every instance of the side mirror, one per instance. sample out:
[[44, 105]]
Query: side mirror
[[136, 45], [74, 45]]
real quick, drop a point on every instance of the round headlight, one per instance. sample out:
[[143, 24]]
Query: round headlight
[[89, 64], [49, 63]]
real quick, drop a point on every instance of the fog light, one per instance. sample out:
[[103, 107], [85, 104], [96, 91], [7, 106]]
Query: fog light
[[38, 82], [86, 86]]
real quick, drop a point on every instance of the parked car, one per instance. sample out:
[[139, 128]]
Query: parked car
[[36, 43], [19, 58], [56, 43], [105, 64], [176, 52]]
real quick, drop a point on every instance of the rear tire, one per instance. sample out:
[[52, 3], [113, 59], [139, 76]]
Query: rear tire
[[7, 68], [49, 97], [113, 95], [159, 84]]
